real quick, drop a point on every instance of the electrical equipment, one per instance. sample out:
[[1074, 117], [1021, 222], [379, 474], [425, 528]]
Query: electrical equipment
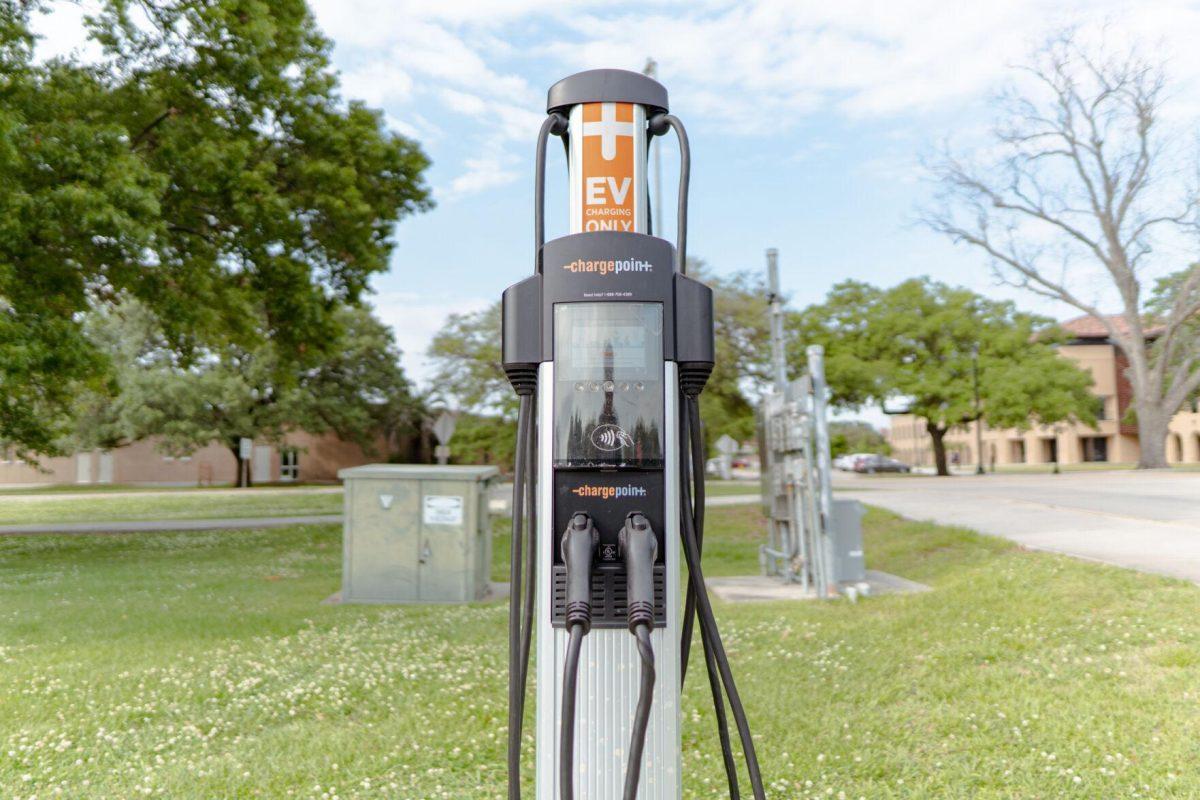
[[608, 345]]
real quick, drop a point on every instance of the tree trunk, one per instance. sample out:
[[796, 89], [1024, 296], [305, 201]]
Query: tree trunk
[[243, 474], [938, 435], [1152, 436]]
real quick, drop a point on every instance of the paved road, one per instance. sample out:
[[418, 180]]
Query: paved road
[[1142, 520], [142, 526]]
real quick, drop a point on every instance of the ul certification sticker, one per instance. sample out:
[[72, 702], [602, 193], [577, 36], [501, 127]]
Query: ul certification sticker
[[442, 509], [609, 438]]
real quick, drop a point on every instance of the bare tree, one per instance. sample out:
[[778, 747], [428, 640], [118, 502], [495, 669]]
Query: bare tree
[[1081, 185]]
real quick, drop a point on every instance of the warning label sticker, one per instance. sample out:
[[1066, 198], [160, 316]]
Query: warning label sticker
[[442, 509]]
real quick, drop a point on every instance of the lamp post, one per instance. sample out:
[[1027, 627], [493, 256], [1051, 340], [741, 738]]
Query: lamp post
[[978, 412]]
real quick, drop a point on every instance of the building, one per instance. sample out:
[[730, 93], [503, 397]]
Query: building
[[300, 457], [1111, 440]]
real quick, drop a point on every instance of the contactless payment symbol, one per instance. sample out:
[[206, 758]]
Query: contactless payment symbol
[[610, 437]]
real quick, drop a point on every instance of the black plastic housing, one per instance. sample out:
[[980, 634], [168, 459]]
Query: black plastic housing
[[607, 86]]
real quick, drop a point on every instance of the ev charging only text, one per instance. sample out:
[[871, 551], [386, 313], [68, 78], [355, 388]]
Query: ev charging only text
[[606, 195]]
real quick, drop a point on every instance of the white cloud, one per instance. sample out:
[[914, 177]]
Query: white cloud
[[759, 68], [484, 172]]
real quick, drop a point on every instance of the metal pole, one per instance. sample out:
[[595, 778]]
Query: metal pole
[[816, 371], [651, 71], [778, 357], [978, 414]]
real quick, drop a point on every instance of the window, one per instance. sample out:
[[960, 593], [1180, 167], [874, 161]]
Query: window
[[1095, 448], [289, 464], [1101, 408]]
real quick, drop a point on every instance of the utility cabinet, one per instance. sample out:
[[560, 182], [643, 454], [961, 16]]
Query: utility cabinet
[[849, 566], [415, 533]]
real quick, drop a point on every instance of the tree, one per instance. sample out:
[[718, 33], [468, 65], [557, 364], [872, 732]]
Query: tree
[[466, 363], [469, 377], [742, 350], [234, 392], [76, 203], [1082, 191], [208, 167], [919, 344], [855, 436]]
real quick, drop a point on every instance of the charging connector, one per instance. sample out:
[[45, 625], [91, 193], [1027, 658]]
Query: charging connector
[[578, 548], [639, 549]]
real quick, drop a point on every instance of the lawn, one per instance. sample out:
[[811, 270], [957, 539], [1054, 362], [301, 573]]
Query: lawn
[[201, 665], [723, 488], [37, 509]]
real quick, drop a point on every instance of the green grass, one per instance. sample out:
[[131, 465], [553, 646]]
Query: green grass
[[102, 488], [156, 505], [201, 665], [724, 488]]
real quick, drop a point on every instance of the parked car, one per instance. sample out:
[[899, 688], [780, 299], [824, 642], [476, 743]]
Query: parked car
[[846, 461], [877, 463]]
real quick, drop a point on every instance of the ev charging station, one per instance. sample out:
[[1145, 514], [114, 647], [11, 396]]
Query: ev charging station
[[608, 345]]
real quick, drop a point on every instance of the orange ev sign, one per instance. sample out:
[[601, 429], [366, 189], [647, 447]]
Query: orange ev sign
[[607, 167]]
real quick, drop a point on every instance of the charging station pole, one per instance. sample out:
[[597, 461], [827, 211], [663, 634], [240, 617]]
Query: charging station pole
[[608, 346]]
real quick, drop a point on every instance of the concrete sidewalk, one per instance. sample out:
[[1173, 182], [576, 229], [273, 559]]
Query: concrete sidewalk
[[1144, 520], [145, 526]]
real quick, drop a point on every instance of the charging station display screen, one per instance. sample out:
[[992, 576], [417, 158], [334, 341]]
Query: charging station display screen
[[608, 376]]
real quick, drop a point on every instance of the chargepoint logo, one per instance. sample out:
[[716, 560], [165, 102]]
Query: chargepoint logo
[[609, 492], [609, 266]]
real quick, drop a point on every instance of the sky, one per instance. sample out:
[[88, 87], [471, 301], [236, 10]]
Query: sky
[[807, 122]]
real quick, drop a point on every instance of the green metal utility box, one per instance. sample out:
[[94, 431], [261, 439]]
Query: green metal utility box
[[415, 533]]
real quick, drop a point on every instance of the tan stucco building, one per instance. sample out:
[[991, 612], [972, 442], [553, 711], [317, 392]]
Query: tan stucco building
[[300, 457], [1110, 440]]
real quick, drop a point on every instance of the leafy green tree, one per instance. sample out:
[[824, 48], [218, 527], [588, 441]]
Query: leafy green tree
[[484, 439], [467, 372], [920, 345], [359, 393], [77, 206], [207, 166], [743, 345], [854, 436]]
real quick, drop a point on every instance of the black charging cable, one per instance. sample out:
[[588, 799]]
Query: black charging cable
[[658, 125], [518, 658], [524, 524], [578, 547], [692, 441], [696, 510], [554, 124], [639, 549]]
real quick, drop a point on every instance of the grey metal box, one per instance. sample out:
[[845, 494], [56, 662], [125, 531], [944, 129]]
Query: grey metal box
[[415, 533], [849, 565]]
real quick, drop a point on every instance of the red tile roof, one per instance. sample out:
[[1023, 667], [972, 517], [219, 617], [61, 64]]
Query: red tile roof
[[1088, 327]]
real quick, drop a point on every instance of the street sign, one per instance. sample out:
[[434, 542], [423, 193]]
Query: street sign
[[442, 453], [245, 448], [443, 428], [727, 445]]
